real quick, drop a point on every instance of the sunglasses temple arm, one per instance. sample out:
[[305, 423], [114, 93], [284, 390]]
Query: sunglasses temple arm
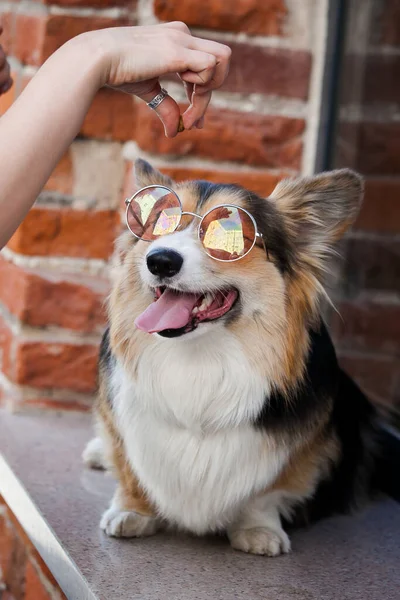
[[260, 235]]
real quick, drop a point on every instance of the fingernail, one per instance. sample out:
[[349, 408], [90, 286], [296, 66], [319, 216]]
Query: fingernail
[[181, 126]]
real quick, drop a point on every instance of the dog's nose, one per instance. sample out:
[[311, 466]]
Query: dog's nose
[[164, 262]]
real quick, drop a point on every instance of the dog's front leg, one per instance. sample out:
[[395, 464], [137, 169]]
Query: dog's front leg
[[258, 529], [129, 515]]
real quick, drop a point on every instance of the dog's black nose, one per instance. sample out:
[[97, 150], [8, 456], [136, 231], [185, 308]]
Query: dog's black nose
[[164, 262]]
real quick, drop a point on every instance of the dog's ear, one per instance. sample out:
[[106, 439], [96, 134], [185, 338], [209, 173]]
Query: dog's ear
[[317, 211], [145, 174]]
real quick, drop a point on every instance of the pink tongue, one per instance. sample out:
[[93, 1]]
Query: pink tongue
[[171, 311]]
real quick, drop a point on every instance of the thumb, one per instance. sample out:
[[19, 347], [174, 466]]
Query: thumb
[[168, 110]]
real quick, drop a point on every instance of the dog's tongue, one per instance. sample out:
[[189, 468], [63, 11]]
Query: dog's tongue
[[172, 310]]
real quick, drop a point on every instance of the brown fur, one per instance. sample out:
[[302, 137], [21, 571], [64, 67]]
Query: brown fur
[[130, 495]]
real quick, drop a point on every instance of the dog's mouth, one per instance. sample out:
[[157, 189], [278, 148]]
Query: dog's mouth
[[174, 313]]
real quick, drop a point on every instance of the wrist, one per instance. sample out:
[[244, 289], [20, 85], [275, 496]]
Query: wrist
[[93, 50], [87, 57]]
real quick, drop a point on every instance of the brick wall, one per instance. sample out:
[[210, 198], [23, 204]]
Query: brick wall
[[53, 273], [23, 574], [368, 330]]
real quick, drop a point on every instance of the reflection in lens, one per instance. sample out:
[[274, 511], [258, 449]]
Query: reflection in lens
[[153, 212], [227, 233]]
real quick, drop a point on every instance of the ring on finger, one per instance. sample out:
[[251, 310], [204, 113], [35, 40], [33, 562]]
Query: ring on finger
[[156, 101]]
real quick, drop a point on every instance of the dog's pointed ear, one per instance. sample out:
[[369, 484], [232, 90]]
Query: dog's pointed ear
[[145, 175], [318, 210]]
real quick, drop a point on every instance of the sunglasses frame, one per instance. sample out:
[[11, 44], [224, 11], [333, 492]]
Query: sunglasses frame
[[201, 217]]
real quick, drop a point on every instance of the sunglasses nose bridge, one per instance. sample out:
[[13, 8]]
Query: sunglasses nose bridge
[[190, 214]]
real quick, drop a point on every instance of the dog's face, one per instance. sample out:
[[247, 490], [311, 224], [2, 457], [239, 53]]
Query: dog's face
[[172, 288]]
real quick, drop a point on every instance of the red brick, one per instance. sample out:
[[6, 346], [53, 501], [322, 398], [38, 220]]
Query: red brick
[[274, 71], [390, 23], [379, 148], [67, 232], [368, 326], [380, 210], [252, 16], [374, 374], [371, 265], [12, 557], [229, 135], [38, 36], [55, 365], [62, 178], [34, 588], [111, 116], [43, 299], [92, 3]]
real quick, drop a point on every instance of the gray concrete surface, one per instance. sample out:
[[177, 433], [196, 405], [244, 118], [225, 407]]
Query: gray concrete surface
[[59, 503]]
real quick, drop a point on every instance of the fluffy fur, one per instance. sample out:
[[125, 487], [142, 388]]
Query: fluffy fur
[[247, 419]]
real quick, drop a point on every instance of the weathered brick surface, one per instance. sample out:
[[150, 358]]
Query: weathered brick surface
[[380, 211], [252, 16], [267, 141], [41, 299], [24, 574], [368, 324], [66, 232], [376, 375], [111, 117], [264, 70], [52, 365], [372, 264], [38, 36]]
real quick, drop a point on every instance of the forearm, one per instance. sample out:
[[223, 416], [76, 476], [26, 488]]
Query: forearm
[[37, 130]]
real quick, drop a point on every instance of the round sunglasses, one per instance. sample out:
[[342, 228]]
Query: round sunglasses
[[226, 232]]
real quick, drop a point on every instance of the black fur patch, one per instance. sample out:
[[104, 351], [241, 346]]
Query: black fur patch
[[106, 358], [352, 418], [312, 395]]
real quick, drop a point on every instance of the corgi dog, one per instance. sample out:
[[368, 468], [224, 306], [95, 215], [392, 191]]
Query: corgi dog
[[221, 405]]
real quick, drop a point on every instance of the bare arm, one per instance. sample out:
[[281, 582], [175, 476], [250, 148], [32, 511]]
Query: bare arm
[[37, 130]]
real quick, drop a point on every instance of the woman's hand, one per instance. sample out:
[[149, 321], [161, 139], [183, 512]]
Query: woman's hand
[[38, 128], [135, 57], [5, 79]]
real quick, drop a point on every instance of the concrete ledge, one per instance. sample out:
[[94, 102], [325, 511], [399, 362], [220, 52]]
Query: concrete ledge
[[59, 504]]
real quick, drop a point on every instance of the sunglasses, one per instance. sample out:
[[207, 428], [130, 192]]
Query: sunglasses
[[226, 232]]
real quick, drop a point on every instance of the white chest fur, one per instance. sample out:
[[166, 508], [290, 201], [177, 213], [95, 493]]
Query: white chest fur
[[186, 424]]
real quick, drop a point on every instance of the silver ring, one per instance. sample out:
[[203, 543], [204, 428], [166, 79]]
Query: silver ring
[[158, 99]]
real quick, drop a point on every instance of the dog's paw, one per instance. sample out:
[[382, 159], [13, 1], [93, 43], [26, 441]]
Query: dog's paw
[[127, 523], [260, 540], [93, 454]]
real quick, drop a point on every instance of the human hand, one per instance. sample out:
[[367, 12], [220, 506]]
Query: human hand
[[5, 79], [135, 57]]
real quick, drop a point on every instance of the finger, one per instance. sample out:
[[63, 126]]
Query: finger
[[200, 64], [197, 109], [221, 52], [178, 25], [188, 88], [167, 111]]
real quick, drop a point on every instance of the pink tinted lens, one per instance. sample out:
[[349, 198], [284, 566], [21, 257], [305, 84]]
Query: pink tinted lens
[[153, 212], [227, 233]]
